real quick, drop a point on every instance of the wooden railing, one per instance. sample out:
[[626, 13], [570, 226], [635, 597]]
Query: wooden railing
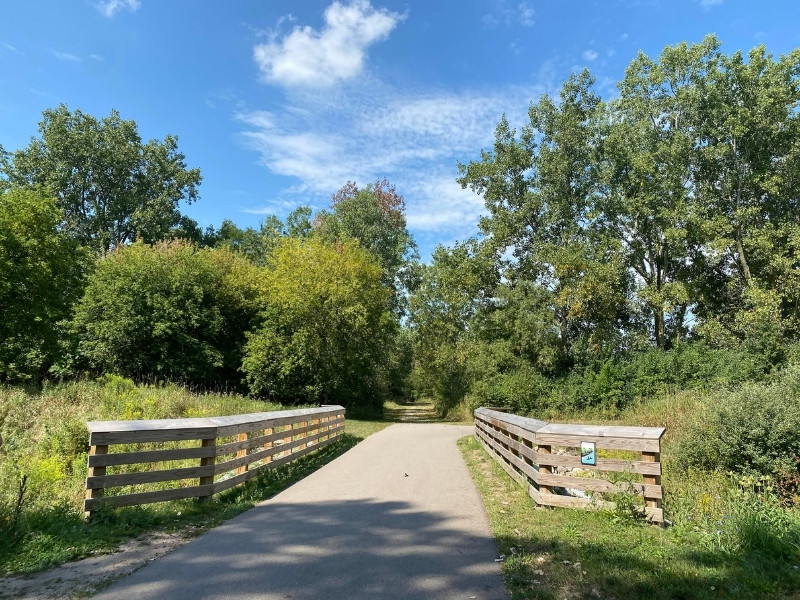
[[524, 447], [230, 450]]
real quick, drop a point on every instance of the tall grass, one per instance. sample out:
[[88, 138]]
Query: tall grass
[[43, 463]]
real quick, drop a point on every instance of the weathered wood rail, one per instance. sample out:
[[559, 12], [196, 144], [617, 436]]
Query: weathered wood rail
[[524, 448], [230, 451]]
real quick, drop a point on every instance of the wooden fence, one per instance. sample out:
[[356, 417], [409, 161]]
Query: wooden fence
[[230, 450], [525, 449]]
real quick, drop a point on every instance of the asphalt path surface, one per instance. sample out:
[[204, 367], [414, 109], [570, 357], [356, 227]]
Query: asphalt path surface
[[396, 517]]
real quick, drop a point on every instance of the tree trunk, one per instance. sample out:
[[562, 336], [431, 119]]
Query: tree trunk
[[658, 326], [742, 258]]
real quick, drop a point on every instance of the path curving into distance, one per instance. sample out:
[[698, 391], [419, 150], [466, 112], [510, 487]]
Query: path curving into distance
[[396, 517]]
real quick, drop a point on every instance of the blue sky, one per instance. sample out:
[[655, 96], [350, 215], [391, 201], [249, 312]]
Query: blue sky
[[280, 102]]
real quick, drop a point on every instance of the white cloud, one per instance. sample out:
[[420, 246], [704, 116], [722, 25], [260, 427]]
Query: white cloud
[[414, 139], [109, 8], [707, 4], [307, 57], [589, 55], [66, 56]]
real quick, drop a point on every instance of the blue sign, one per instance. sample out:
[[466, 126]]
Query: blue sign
[[588, 455]]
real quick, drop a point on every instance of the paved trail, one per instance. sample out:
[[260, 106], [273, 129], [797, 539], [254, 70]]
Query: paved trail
[[397, 517]]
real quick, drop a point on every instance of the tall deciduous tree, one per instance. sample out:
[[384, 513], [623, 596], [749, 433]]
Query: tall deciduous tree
[[375, 216], [541, 190], [748, 185], [40, 278], [113, 189], [649, 204]]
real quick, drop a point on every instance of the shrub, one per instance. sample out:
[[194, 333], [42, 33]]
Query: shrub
[[326, 327], [752, 430], [168, 312]]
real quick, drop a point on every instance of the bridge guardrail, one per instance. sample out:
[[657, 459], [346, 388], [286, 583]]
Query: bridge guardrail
[[524, 448], [231, 450]]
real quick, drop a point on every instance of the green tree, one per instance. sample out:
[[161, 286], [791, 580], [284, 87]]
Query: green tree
[[40, 278], [541, 190], [113, 189], [453, 288], [375, 216], [168, 311], [649, 204], [747, 185], [326, 328], [255, 244]]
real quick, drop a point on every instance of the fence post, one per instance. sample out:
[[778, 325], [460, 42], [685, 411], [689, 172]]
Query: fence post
[[268, 445], [208, 461], [545, 469], [242, 437], [93, 472], [652, 457]]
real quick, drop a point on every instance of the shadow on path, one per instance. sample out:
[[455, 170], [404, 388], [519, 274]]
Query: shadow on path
[[352, 549]]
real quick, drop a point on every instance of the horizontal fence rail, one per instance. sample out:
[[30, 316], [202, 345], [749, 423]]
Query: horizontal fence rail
[[524, 448], [207, 455]]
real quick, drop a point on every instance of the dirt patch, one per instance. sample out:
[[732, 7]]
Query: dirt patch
[[85, 577]]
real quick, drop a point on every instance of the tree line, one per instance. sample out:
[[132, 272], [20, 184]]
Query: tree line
[[650, 239], [663, 217], [101, 273]]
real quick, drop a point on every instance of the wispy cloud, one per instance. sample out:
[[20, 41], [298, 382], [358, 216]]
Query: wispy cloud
[[109, 8], [306, 57], [415, 139], [589, 55], [13, 49], [526, 15], [66, 56], [707, 4], [508, 14]]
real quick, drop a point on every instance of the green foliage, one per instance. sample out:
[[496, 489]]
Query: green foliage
[[326, 328], [451, 291], [754, 429], [40, 278], [665, 215], [395, 374], [112, 188], [169, 312], [375, 216]]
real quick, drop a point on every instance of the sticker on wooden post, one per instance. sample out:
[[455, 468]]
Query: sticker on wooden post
[[588, 454]]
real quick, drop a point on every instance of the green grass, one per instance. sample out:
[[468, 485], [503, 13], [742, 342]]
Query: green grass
[[558, 553], [45, 442]]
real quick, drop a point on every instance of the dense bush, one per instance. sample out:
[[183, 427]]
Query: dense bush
[[754, 429], [495, 375], [169, 312], [326, 326]]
